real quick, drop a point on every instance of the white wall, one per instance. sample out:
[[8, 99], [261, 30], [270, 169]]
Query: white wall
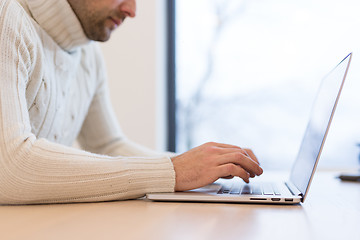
[[135, 58]]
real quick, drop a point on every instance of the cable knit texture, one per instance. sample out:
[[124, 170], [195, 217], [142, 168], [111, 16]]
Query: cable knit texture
[[53, 90]]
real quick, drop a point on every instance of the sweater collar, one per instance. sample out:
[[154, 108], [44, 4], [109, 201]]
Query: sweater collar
[[58, 19]]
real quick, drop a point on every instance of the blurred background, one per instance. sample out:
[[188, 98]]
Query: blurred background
[[248, 71]]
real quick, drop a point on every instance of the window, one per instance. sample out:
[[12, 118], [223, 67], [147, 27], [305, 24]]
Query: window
[[247, 72]]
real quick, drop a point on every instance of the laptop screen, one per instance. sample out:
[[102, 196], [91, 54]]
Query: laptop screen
[[318, 126]]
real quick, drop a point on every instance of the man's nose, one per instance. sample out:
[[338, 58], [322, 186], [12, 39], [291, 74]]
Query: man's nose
[[128, 7]]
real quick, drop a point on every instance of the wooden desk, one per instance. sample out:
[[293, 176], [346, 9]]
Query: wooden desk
[[322, 216]]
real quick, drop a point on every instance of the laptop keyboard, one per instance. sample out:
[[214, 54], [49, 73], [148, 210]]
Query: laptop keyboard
[[250, 189]]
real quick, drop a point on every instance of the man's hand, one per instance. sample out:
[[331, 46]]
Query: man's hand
[[205, 164]]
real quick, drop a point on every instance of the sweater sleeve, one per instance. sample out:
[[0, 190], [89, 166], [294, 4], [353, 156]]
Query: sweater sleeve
[[38, 171]]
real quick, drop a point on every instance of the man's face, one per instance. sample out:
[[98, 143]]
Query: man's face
[[100, 17]]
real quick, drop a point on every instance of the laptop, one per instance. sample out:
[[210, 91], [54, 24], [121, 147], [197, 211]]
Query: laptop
[[296, 188]]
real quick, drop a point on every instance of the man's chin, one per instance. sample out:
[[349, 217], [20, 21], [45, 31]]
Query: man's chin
[[103, 37]]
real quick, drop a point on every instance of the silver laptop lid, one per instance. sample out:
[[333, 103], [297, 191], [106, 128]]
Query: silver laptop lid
[[318, 126]]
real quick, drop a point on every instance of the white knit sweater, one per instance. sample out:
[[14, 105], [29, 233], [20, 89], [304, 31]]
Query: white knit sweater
[[53, 90]]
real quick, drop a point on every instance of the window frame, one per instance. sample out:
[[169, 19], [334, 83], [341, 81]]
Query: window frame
[[171, 76]]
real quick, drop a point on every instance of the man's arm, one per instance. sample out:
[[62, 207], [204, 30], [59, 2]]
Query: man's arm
[[35, 170]]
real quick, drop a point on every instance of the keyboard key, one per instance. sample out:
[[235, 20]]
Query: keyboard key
[[276, 190], [225, 189], [256, 190], [235, 189], [246, 189], [268, 190]]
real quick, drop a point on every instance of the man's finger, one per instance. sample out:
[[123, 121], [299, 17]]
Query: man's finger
[[228, 177], [251, 154], [231, 150], [246, 151], [231, 169], [223, 145], [243, 161]]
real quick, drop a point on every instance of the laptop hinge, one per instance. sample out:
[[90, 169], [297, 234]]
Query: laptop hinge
[[293, 189]]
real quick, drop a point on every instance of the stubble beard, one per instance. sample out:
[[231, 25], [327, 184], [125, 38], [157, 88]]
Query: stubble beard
[[97, 30]]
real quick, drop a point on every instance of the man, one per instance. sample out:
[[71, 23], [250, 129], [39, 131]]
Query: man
[[53, 90]]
